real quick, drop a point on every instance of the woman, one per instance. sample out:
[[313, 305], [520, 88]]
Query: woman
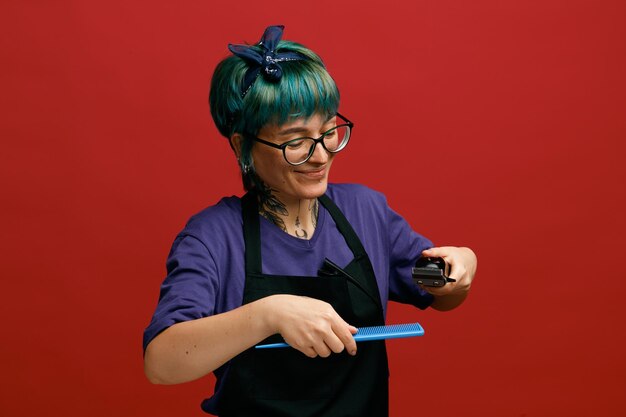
[[296, 257]]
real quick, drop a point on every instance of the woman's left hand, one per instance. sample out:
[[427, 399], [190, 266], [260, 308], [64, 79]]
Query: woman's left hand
[[463, 264]]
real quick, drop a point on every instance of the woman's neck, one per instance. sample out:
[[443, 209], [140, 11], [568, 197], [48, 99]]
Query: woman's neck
[[298, 217]]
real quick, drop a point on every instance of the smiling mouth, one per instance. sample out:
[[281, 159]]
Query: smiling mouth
[[313, 173]]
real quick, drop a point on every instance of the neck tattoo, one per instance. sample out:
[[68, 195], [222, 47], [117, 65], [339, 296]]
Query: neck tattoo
[[276, 211], [271, 207], [300, 232]]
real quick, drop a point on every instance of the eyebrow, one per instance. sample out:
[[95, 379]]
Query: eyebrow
[[303, 129], [291, 130]]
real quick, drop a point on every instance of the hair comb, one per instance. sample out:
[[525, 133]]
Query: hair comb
[[366, 334]]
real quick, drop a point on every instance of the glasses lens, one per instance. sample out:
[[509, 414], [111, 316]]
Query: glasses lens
[[336, 139], [297, 151]]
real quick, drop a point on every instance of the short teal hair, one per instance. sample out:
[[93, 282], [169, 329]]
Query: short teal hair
[[305, 89]]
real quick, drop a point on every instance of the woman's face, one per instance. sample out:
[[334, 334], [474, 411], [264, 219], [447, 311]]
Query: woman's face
[[289, 182]]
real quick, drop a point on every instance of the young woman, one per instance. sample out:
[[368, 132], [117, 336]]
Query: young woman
[[295, 258]]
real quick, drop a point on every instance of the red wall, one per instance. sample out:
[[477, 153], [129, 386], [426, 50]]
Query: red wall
[[498, 125]]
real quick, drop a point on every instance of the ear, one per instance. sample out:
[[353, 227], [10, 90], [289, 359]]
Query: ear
[[235, 143]]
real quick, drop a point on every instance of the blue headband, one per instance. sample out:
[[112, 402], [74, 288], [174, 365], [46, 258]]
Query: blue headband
[[265, 62]]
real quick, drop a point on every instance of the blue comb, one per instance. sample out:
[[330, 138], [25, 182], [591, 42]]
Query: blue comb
[[365, 334]]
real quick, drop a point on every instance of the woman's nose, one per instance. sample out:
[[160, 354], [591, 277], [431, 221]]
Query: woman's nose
[[319, 156]]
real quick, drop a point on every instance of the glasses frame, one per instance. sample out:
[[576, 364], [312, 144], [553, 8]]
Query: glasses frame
[[283, 146]]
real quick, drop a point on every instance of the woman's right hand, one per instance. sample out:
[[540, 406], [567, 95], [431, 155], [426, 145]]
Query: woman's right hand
[[309, 325]]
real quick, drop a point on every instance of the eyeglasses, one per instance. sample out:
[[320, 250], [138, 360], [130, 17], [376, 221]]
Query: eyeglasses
[[298, 151]]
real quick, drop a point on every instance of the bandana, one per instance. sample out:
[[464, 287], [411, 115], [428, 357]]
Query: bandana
[[265, 62]]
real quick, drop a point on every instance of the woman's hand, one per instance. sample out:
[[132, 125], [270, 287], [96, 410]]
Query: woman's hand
[[463, 264], [191, 349], [312, 326]]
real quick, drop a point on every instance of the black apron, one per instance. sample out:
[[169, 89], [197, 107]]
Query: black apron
[[284, 381]]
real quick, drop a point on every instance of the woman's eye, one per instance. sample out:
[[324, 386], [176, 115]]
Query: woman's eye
[[295, 144]]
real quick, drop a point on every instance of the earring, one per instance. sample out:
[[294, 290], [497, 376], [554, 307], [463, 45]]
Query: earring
[[245, 168]]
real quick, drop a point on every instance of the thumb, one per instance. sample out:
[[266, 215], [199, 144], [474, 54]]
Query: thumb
[[432, 252]]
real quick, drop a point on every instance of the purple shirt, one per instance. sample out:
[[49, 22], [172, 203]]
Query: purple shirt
[[206, 271], [205, 267]]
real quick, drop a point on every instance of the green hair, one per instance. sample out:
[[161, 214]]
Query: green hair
[[305, 89]]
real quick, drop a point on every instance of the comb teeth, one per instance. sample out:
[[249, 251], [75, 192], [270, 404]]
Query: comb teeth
[[388, 332], [365, 334]]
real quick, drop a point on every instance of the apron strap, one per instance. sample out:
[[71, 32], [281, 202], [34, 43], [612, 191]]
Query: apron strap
[[251, 232], [356, 246], [353, 241]]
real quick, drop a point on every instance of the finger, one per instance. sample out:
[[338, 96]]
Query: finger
[[440, 252], [309, 351], [457, 270], [344, 332], [321, 349], [450, 256], [334, 343]]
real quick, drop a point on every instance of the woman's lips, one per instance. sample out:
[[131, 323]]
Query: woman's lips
[[315, 173]]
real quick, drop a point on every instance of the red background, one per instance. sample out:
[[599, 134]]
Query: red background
[[499, 125]]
